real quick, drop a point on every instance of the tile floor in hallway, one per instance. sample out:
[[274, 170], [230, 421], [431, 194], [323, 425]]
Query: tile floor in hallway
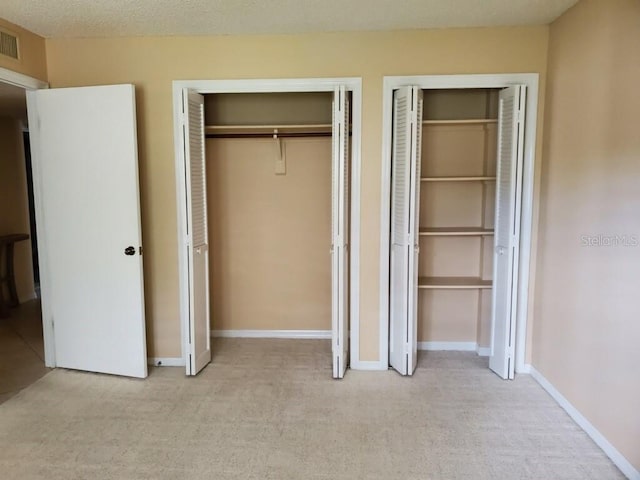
[[21, 349]]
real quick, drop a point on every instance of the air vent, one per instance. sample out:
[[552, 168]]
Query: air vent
[[9, 45]]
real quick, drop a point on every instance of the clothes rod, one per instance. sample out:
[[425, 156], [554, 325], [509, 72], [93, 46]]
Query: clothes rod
[[270, 135]]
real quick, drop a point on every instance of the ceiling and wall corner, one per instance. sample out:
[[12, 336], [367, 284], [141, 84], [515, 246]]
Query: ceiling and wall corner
[[110, 18], [32, 61]]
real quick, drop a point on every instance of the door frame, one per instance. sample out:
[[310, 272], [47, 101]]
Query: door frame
[[272, 85], [30, 84], [436, 82]]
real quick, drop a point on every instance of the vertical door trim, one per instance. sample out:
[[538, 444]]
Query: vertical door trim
[[500, 80], [353, 85]]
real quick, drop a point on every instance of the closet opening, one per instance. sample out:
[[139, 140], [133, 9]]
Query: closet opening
[[457, 170], [268, 219]]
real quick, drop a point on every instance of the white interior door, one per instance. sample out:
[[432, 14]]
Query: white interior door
[[197, 241], [340, 233], [507, 229], [86, 164], [405, 210]]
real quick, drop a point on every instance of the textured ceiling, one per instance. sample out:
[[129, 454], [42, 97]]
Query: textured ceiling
[[101, 18]]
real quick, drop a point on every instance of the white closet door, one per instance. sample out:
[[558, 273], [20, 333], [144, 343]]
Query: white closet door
[[507, 229], [197, 242], [405, 210], [85, 150], [340, 233]]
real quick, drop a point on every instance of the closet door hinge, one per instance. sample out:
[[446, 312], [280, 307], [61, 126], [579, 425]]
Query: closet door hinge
[[406, 349]]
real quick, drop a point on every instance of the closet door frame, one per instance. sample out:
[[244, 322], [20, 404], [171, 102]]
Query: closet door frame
[[272, 85], [438, 82]]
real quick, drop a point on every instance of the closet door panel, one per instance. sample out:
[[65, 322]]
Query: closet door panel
[[507, 229], [199, 347], [340, 232], [405, 211]]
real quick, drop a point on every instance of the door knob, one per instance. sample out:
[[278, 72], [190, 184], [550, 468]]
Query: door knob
[[500, 250], [130, 251]]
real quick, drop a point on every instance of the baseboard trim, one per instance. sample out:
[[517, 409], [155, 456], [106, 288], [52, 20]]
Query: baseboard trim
[[453, 346], [525, 369], [166, 361], [368, 365], [484, 351], [616, 457], [299, 334]]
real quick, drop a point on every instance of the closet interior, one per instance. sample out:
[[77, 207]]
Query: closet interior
[[456, 221], [269, 188]]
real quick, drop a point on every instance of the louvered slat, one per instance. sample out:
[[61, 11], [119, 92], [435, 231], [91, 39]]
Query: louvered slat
[[197, 172]]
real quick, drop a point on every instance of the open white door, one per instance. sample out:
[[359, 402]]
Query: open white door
[[507, 229], [340, 233], [85, 153], [405, 210], [197, 238]]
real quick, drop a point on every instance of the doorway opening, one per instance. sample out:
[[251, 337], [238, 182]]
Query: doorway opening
[[268, 249], [21, 333], [456, 237]]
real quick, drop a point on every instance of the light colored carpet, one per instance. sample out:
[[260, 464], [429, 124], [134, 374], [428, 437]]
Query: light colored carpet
[[267, 409]]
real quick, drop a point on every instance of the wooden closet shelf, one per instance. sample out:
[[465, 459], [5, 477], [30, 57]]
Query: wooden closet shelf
[[457, 179], [453, 282], [468, 121], [266, 129], [456, 231]]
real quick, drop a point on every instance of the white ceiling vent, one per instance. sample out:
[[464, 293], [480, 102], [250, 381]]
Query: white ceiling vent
[[9, 45]]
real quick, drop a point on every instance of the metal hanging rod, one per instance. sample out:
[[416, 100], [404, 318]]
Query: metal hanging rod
[[268, 131]]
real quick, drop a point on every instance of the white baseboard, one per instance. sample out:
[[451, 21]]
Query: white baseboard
[[453, 346], [299, 334], [616, 457], [484, 351], [368, 365], [525, 369], [166, 361]]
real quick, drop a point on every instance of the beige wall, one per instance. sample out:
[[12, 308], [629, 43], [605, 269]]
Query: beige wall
[[587, 314], [456, 150], [14, 202], [32, 60], [152, 64], [270, 235]]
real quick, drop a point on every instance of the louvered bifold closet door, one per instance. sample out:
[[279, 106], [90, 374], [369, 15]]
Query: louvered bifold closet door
[[340, 233], [507, 229], [405, 204], [199, 354]]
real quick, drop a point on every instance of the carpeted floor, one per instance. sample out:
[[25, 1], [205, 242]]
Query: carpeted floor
[[267, 409]]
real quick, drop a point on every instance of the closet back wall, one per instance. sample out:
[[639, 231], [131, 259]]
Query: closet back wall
[[270, 235], [152, 63]]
